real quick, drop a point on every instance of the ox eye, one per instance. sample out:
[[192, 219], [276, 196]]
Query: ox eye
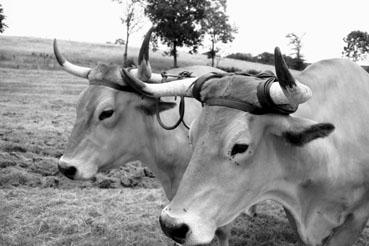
[[239, 148], [106, 114]]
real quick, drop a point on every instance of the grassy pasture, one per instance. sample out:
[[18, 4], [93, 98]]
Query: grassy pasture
[[39, 206], [26, 52]]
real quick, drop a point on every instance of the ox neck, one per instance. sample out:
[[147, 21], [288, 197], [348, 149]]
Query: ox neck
[[169, 151], [302, 188]]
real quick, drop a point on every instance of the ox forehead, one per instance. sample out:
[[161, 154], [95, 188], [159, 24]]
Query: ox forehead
[[244, 91], [109, 76]]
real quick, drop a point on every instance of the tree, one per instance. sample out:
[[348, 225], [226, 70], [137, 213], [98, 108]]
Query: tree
[[216, 25], [132, 19], [2, 18], [177, 23], [296, 43], [357, 45]]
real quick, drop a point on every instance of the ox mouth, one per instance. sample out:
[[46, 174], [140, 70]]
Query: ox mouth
[[175, 233], [178, 240]]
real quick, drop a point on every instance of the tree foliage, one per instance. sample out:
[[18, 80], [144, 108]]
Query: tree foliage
[[132, 19], [177, 22], [296, 43], [2, 18], [216, 25], [357, 45]]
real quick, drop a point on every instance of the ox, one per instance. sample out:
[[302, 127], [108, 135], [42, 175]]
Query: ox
[[248, 148], [115, 125]]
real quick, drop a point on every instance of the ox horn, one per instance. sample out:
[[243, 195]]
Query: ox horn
[[289, 90], [144, 68], [69, 67], [181, 87]]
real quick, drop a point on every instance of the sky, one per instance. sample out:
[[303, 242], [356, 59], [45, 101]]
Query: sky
[[262, 24]]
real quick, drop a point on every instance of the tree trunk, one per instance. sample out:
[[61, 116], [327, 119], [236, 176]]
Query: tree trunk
[[300, 64], [125, 55], [298, 55], [212, 53], [174, 55]]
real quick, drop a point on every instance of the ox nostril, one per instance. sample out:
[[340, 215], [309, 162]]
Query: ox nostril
[[69, 171], [177, 231]]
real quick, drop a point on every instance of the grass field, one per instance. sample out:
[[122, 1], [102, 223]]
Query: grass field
[[26, 52], [39, 206]]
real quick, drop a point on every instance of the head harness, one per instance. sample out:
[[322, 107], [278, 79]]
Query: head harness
[[127, 88], [263, 88]]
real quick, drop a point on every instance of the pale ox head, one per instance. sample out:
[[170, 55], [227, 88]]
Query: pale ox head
[[111, 117], [239, 157]]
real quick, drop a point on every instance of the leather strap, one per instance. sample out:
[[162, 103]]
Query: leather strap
[[181, 112], [263, 95], [113, 86], [196, 89], [236, 104], [266, 101]]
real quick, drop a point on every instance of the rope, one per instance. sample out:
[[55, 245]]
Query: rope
[[181, 109]]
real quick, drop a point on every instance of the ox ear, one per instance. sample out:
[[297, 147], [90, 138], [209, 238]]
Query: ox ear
[[150, 107], [299, 131], [304, 136]]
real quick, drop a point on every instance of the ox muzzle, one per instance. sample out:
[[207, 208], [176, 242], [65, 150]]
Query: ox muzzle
[[66, 169], [173, 228]]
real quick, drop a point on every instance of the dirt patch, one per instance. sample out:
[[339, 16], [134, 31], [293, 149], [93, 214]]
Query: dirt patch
[[35, 170], [14, 148]]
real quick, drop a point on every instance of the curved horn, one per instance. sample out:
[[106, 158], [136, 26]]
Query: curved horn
[[144, 68], [69, 67], [181, 87], [289, 91]]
